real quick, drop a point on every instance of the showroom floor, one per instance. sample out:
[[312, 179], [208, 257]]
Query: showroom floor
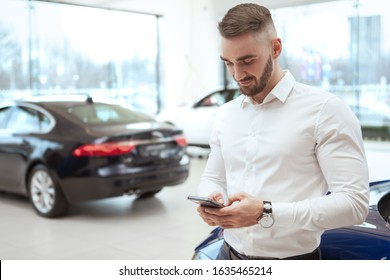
[[166, 227]]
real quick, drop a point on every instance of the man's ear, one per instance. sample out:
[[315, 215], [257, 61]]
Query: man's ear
[[276, 47]]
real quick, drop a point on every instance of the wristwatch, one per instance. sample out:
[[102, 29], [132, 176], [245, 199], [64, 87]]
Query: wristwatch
[[266, 220]]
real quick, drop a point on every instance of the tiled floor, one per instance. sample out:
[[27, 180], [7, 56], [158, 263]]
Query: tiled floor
[[166, 227]]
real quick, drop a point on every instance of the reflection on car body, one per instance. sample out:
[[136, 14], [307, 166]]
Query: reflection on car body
[[63, 152]]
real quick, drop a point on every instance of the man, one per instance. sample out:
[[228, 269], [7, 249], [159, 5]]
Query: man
[[286, 159]]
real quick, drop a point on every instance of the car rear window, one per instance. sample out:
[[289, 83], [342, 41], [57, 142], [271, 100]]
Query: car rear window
[[97, 113]]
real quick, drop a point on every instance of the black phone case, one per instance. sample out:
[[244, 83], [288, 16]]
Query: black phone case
[[204, 201]]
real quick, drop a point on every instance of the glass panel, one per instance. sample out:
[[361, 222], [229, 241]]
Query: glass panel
[[14, 51], [50, 48], [342, 47], [372, 63], [313, 51]]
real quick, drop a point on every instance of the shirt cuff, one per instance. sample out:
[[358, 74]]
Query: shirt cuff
[[283, 214]]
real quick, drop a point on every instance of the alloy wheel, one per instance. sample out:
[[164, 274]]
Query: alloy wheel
[[42, 191]]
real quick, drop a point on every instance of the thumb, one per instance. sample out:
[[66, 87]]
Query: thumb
[[217, 196], [236, 197]]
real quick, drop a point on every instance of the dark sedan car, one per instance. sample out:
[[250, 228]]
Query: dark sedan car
[[63, 152], [368, 241]]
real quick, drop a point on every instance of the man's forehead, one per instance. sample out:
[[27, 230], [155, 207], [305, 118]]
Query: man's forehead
[[240, 47]]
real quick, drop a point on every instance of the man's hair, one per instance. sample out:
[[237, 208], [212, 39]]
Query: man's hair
[[245, 18]]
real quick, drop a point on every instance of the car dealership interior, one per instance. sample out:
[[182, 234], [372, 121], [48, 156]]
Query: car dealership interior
[[160, 58]]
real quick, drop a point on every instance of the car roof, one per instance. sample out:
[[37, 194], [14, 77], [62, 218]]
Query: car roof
[[55, 102], [62, 99]]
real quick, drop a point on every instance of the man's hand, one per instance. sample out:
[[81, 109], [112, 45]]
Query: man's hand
[[242, 210]]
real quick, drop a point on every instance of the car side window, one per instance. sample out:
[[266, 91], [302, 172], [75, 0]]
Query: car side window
[[236, 94], [23, 119], [44, 122], [4, 112], [215, 99]]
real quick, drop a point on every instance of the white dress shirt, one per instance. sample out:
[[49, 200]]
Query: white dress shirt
[[292, 149]]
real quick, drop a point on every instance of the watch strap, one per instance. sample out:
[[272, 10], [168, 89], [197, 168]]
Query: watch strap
[[267, 207]]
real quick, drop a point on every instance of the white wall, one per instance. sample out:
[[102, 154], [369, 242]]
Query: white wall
[[190, 52], [203, 59]]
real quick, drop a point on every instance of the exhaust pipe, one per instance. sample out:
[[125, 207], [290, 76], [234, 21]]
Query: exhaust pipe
[[134, 192]]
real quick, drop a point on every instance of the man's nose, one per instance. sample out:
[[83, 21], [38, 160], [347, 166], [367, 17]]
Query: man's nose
[[238, 73]]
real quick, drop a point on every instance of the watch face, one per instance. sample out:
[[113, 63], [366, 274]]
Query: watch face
[[267, 208], [267, 221]]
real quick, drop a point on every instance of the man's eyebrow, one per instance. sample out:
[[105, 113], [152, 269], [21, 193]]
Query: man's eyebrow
[[241, 58], [223, 59], [246, 57]]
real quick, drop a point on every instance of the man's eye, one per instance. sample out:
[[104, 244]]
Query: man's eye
[[227, 63], [247, 61]]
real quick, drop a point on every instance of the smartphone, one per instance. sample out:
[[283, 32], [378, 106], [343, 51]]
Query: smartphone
[[205, 201]]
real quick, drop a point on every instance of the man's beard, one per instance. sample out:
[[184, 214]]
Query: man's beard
[[261, 83]]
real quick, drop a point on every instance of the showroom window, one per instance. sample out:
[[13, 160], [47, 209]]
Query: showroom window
[[14, 49], [342, 47], [50, 48]]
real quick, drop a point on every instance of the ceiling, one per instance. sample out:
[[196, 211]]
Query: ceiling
[[148, 6]]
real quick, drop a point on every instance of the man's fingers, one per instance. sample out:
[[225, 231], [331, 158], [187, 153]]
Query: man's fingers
[[237, 197], [217, 196]]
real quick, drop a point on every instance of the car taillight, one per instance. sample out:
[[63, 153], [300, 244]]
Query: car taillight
[[181, 140], [105, 149]]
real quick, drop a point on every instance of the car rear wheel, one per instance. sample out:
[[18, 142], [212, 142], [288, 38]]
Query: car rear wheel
[[45, 194]]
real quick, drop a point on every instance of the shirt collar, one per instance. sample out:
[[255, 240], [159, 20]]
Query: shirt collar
[[281, 91]]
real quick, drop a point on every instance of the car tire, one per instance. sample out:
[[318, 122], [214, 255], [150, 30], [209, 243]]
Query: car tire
[[149, 193], [45, 194]]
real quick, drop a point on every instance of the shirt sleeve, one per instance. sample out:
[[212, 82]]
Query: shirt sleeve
[[340, 154], [214, 177]]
